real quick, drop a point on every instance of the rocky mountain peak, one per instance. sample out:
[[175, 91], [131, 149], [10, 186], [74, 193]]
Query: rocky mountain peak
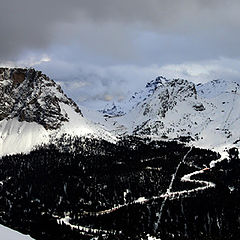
[[159, 81], [165, 93], [166, 96], [182, 88], [29, 95], [177, 84]]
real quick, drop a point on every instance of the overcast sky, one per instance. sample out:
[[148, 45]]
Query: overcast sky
[[99, 50]]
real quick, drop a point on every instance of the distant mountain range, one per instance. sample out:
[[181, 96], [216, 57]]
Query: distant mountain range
[[207, 114], [145, 169]]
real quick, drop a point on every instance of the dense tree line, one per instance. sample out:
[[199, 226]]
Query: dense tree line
[[81, 177]]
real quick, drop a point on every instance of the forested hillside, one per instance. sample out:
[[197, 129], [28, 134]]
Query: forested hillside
[[130, 190]]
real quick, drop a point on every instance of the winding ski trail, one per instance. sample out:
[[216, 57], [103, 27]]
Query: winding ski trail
[[168, 195]]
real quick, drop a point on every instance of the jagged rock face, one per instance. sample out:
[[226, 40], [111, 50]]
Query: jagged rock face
[[168, 92], [166, 95], [175, 109], [112, 111], [31, 96]]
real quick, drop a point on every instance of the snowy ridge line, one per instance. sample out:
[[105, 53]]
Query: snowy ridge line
[[207, 114], [35, 111]]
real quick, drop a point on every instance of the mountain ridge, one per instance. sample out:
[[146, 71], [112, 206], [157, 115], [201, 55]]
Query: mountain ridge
[[207, 114], [79, 182], [31, 96], [36, 111]]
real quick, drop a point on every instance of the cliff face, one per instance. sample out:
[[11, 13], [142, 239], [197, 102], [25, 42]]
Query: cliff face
[[29, 95]]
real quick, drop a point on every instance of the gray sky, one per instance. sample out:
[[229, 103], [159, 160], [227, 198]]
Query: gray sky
[[101, 49]]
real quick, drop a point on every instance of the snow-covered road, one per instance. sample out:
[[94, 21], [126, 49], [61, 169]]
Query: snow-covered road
[[203, 185]]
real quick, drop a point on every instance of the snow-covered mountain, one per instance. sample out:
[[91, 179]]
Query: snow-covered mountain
[[140, 188], [138, 97], [34, 110], [208, 114], [31, 96]]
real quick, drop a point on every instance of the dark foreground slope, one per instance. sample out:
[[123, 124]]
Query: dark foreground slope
[[130, 190]]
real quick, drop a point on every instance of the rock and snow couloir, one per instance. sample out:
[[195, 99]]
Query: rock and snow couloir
[[34, 110]]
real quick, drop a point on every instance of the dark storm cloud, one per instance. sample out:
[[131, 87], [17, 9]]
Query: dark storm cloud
[[101, 49], [30, 24], [113, 28]]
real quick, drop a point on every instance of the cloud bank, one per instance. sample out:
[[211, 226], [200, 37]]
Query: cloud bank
[[101, 50], [122, 30]]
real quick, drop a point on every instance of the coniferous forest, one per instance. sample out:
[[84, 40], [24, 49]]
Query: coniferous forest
[[82, 188]]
